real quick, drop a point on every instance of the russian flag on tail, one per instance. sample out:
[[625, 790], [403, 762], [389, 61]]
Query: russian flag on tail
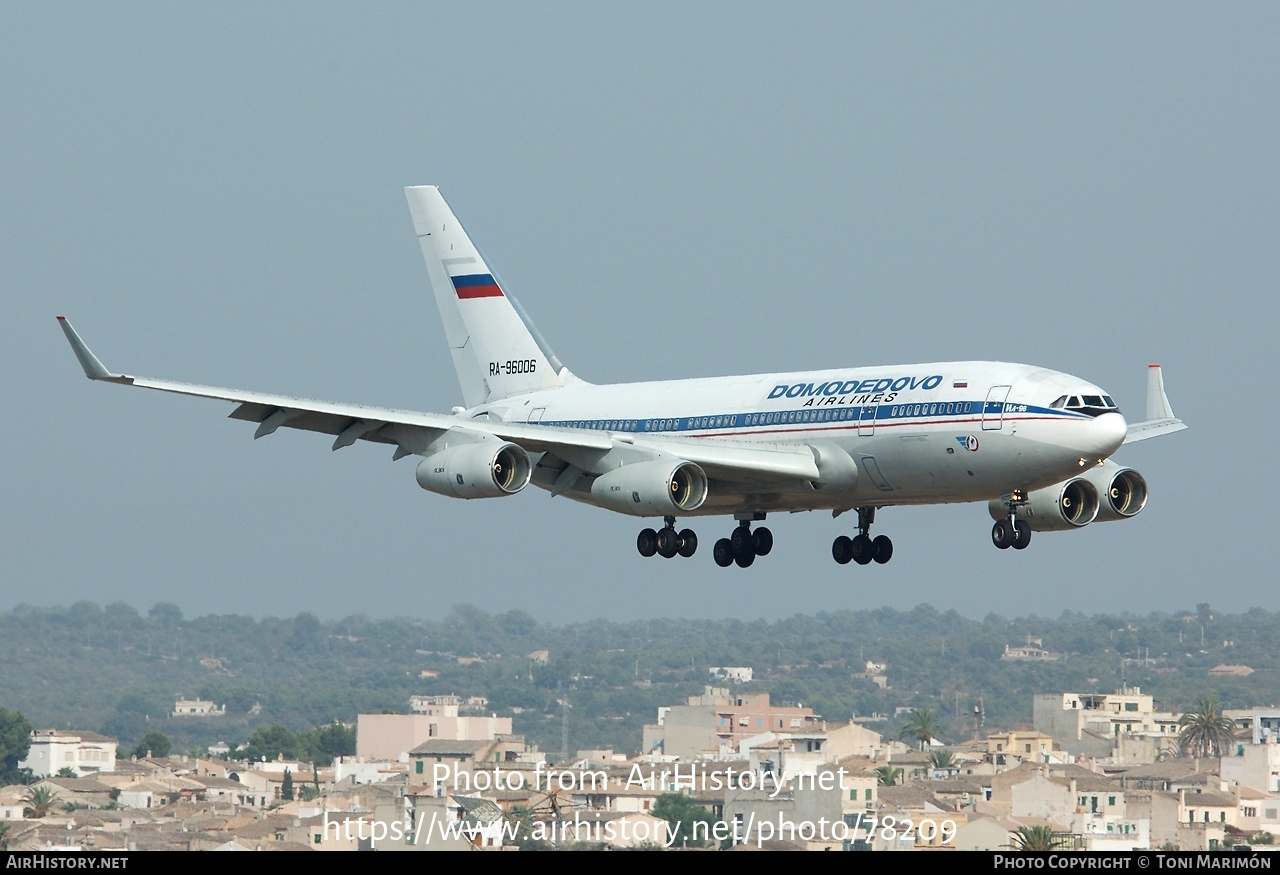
[[960, 384], [479, 285]]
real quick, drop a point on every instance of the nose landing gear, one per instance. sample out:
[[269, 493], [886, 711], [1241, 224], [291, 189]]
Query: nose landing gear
[[1011, 531]]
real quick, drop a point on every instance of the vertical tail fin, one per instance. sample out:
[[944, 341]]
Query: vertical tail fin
[[1157, 401], [496, 350], [1160, 419]]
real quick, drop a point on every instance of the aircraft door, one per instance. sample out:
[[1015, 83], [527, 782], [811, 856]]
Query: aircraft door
[[993, 409], [867, 420]]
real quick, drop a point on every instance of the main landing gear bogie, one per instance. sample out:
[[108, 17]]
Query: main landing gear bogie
[[863, 549], [667, 542], [743, 546]]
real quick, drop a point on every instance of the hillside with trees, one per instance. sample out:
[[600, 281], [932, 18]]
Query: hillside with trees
[[119, 671]]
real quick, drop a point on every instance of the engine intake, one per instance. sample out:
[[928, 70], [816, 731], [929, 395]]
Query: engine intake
[[1123, 491], [480, 470], [659, 488], [1061, 507]]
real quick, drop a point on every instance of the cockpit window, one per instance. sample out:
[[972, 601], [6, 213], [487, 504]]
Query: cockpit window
[[1092, 405]]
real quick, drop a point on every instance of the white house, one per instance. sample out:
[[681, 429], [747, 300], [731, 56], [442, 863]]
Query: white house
[[81, 751]]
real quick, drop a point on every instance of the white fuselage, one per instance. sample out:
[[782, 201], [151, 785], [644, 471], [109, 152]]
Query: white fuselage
[[919, 434]]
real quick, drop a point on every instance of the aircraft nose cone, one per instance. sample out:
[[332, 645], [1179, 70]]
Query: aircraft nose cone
[[1105, 434]]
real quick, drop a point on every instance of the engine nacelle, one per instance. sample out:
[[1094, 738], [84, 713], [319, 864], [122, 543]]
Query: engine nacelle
[[664, 487], [1061, 507], [486, 469], [1123, 491]]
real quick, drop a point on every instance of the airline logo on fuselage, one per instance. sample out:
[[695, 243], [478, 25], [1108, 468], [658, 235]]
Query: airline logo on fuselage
[[869, 386]]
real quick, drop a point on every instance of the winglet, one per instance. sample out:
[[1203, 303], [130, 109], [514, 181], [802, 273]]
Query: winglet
[[94, 369]]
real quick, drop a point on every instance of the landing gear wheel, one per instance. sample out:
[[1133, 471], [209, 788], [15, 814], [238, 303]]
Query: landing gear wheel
[[842, 549], [723, 552], [864, 550], [1021, 535], [762, 541], [668, 542], [741, 541], [884, 549], [647, 542], [688, 543], [1002, 535], [744, 560]]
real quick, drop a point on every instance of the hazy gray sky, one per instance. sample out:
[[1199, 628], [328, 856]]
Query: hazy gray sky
[[214, 193]]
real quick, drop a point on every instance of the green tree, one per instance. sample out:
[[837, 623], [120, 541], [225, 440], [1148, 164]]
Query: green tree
[[165, 613], [38, 802], [66, 772], [153, 744], [942, 759], [270, 743], [887, 776], [306, 635], [1037, 838], [4, 836], [1206, 731], [921, 727], [324, 744], [130, 720], [681, 813], [522, 831], [15, 741], [286, 786]]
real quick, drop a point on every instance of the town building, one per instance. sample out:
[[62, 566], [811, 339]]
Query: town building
[[81, 751]]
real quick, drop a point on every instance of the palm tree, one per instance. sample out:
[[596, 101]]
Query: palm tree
[[942, 760], [1037, 838], [1206, 731], [887, 776], [921, 727], [39, 801]]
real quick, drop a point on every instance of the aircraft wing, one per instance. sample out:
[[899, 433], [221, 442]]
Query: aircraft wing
[[1160, 419], [413, 432], [1141, 431]]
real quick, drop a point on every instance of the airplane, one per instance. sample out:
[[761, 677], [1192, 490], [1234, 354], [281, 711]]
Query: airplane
[[1032, 443]]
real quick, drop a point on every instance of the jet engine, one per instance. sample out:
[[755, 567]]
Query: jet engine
[[1123, 491], [475, 470], [1061, 507], [663, 487]]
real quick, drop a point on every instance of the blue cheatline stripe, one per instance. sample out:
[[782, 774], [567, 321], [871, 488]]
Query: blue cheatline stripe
[[938, 413]]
